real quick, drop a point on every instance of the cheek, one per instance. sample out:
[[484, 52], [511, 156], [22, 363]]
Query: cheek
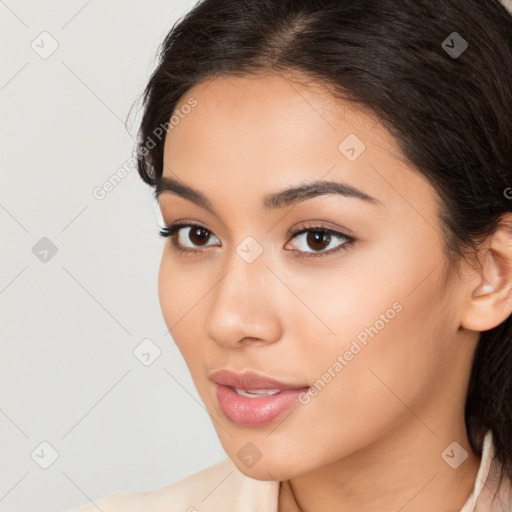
[[179, 297], [179, 291], [166, 296], [371, 376], [389, 323]]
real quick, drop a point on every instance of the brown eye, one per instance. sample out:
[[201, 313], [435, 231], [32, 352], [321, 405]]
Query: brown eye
[[315, 242], [318, 238], [198, 235]]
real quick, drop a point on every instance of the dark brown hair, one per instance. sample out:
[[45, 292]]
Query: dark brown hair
[[450, 114]]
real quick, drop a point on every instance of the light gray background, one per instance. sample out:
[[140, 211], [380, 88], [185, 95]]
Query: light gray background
[[70, 324]]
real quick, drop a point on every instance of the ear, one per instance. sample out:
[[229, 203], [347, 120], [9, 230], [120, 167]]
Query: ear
[[490, 301]]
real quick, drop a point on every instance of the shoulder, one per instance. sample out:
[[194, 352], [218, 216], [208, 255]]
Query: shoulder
[[218, 487]]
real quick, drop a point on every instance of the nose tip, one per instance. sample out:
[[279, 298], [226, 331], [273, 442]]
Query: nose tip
[[229, 332]]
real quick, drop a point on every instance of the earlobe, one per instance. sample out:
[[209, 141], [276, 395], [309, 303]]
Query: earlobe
[[490, 302]]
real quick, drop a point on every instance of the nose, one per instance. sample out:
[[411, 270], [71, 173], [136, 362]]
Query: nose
[[243, 307]]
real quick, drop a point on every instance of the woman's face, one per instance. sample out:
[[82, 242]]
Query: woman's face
[[372, 321]]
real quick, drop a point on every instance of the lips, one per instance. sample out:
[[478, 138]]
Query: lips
[[251, 381], [250, 399]]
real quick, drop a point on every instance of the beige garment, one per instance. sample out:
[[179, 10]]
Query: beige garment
[[486, 484], [223, 488], [507, 4]]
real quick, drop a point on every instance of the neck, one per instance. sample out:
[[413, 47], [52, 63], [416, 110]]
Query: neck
[[402, 471]]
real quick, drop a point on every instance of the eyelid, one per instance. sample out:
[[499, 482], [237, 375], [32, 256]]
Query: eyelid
[[321, 225], [293, 231]]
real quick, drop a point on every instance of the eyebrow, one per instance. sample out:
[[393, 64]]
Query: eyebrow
[[272, 201]]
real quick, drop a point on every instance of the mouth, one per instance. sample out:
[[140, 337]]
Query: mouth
[[251, 400]]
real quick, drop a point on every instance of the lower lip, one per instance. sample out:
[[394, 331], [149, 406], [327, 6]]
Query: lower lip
[[253, 412]]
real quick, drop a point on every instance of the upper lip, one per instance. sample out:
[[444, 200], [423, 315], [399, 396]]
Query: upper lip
[[249, 380]]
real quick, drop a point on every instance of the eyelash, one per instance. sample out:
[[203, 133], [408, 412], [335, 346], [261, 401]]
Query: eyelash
[[173, 229]]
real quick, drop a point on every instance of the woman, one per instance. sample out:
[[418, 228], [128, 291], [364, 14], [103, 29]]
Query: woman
[[335, 179]]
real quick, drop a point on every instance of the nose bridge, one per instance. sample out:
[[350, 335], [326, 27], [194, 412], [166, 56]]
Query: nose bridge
[[246, 270], [241, 304]]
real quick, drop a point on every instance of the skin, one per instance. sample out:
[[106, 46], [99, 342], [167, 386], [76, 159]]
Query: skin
[[372, 438]]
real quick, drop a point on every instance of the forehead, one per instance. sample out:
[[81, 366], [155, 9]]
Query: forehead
[[274, 106], [262, 133]]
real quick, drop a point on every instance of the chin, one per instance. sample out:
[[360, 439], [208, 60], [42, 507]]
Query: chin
[[260, 471], [268, 468]]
